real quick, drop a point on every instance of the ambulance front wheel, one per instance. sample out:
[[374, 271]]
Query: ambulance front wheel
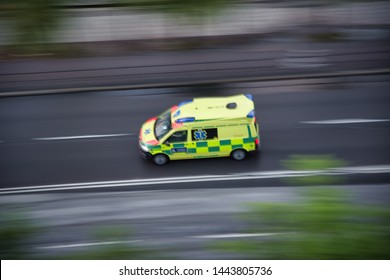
[[238, 154], [160, 159]]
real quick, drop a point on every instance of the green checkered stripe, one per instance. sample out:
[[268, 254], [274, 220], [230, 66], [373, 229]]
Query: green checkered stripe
[[211, 146], [223, 145]]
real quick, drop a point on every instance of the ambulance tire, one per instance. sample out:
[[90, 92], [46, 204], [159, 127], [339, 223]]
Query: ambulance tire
[[160, 159], [238, 154]]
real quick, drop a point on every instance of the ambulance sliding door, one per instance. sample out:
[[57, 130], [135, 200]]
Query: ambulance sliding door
[[205, 143]]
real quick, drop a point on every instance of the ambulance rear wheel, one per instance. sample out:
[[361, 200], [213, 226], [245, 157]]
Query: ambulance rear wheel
[[160, 159], [238, 154]]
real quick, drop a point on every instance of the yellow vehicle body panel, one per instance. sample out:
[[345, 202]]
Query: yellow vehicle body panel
[[214, 108]]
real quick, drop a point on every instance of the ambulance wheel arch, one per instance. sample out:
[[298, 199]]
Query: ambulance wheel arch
[[160, 159], [238, 154]]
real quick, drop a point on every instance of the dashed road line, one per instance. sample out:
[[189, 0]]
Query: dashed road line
[[346, 121], [81, 137], [87, 244], [236, 235]]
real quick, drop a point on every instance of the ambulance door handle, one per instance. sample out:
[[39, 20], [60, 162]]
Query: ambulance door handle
[[191, 145]]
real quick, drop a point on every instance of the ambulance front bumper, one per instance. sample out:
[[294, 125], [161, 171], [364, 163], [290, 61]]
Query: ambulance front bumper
[[145, 155], [144, 151]]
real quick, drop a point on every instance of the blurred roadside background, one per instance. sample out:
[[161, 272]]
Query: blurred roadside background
[[193, 47], [91, 27], [144, 42]]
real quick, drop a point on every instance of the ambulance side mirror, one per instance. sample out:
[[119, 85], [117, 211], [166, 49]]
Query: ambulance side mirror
[[167, 143]]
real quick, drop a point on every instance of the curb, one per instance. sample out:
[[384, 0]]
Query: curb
[[198, 83]]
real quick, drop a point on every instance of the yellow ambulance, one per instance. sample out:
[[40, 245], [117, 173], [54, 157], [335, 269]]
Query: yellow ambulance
[[202, 128]]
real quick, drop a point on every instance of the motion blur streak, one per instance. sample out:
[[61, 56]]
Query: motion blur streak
[[211, 236], [205, 178]]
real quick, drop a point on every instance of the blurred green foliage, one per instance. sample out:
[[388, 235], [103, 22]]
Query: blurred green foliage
[[313, 163], [323, 224], [33, 20], [15, 232]]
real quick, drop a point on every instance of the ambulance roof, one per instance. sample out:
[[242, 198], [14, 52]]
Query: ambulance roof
[[214, 108]]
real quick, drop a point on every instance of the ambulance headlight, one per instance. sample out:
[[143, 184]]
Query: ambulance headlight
[[144, 148]]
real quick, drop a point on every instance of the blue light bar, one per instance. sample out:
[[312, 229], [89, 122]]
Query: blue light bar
[[185, 102], [184, 120], [251, 114], [249, 96]]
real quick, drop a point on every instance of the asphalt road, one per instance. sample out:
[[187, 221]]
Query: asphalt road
[[92, 137], [53, 145]]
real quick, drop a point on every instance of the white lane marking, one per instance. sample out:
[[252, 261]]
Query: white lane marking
[[346, 121], [89, 244], [211, 236], [195, 179], [237, 235], [81, 137], [365, 169]]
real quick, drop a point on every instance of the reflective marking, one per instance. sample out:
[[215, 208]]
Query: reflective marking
[[77, 245], [346, 121], [81, 137], [205, 178], [236, 235], [211, 236]]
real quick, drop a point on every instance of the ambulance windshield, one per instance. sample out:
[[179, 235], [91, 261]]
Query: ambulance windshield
[[162, 125]]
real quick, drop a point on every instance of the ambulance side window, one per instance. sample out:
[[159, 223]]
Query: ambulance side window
[[178, 136], [204, 134]]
